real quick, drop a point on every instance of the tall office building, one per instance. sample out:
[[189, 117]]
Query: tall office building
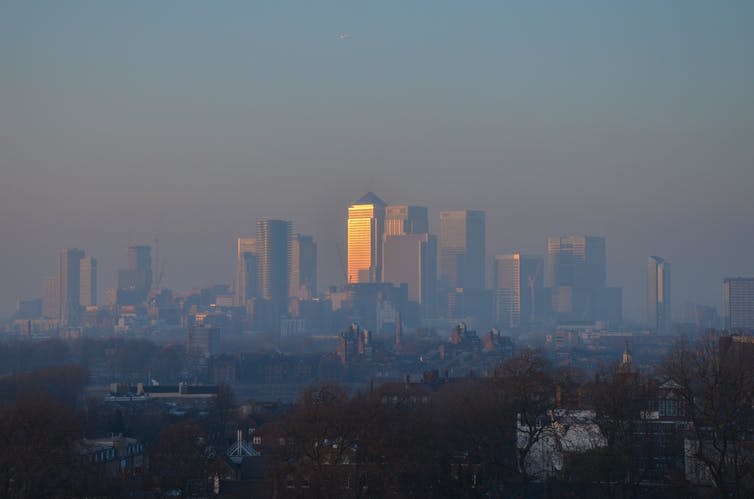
[[738, 303], [576, 277], [658, 295], [462, 249], [273, 252], [88, 281], [68, 280], [411, 259], [50, 308], [245, 281], [518, 287], [303, 280], [401, 219], [140, 260], [135, 282], [576, 261], [366, 218]]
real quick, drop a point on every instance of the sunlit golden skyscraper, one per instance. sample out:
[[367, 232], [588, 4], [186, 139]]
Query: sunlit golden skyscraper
[[366, 218]]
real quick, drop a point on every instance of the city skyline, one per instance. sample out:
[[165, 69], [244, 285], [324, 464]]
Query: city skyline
[[630, 123], [262, 249], [136, 254]]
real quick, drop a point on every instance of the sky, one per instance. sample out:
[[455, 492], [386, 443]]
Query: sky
[[125, 121]]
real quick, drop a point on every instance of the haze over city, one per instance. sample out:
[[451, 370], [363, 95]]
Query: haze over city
[[188, 121]]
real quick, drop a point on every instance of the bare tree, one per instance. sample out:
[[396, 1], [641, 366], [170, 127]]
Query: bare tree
[[716, 384], [316, 438], [529, 389]]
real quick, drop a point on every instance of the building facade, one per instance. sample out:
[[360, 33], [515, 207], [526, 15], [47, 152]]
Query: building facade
[[88, 282], [135, 281], [366, 219], [244, 283], [411, 259], [68, 281], [462, 250], [576, 280], [303, 280], [401, 219], [273, 253], [50, 308], [738, 303], [518, 284], [140, 261], [658, 295]]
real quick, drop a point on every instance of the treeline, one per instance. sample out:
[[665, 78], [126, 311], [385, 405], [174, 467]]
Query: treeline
[[686, 430], [531, 430], [45, 417]]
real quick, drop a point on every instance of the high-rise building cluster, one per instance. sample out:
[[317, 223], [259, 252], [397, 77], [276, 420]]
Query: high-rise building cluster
[[74, 286], [445, 277], [397, 274]]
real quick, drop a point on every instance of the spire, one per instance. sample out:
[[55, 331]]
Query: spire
[[627, 360]]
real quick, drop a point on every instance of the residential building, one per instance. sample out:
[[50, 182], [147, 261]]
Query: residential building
[[273, 253], [201, 341]]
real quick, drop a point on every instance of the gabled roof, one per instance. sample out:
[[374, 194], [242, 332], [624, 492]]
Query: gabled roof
[[370, 198]]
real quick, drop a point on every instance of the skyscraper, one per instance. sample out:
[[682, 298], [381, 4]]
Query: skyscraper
[[68, 280], [245, 281], [366, 218], [738, 303], [135, 282], [88, 281], [401, 219], [518, 288], [576, 276], [658, 295], [273, 252], [50, 290], [303, 279], [140, 261], [576, 261], [411, 259], [462, 249]]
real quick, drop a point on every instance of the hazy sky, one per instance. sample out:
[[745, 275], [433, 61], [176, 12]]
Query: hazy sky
[[630, 120]]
